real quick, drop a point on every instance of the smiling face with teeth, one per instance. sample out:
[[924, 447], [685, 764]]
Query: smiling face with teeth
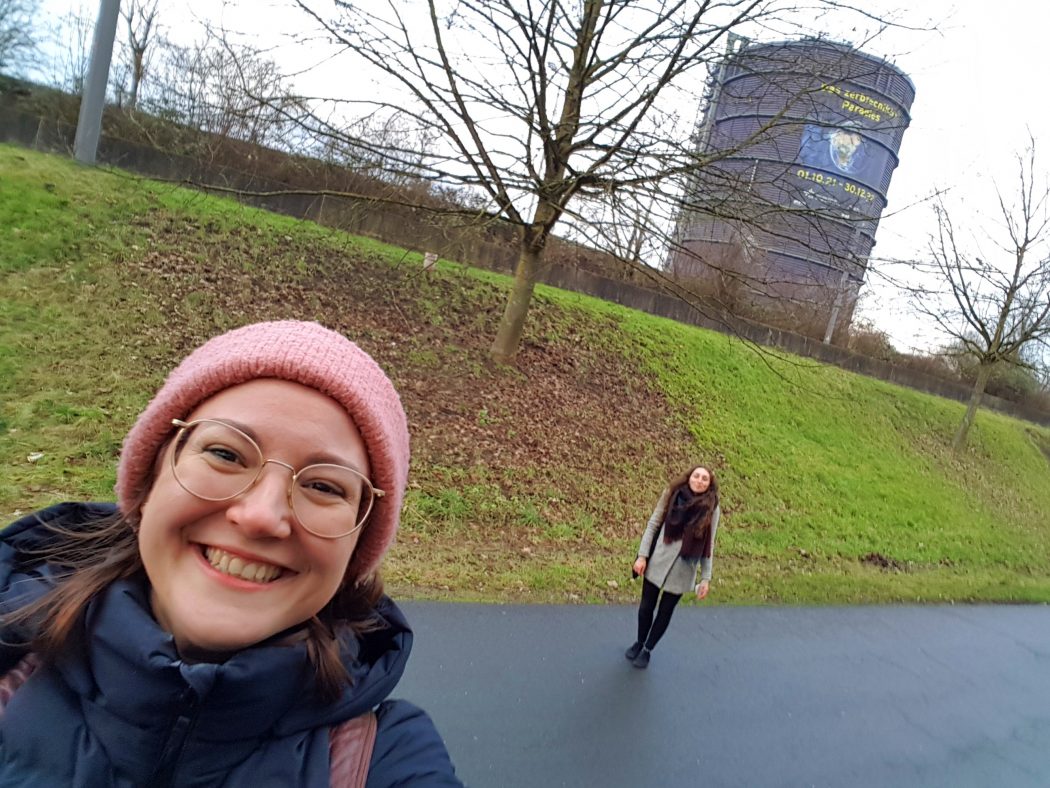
[[228, 574]]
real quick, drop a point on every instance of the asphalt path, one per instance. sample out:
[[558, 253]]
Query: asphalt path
[[529, 696]]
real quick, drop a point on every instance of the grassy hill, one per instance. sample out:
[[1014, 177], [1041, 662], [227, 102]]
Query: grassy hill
[[530, 482]]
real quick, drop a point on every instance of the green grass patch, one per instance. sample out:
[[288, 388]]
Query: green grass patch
[[531, 482]]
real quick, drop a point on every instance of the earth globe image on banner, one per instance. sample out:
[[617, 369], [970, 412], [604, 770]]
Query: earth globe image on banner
[[838, 149]]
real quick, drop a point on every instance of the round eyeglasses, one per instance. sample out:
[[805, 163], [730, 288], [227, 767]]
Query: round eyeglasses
[[215, 461]]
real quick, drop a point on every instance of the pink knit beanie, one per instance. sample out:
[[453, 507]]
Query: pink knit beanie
[[305, 353]]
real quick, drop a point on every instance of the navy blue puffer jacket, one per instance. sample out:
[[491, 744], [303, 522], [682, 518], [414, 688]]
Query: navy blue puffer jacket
[[124, 710]]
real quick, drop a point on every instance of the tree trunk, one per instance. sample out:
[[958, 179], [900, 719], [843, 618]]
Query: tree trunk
[[136, 78], [511, 327], [983, 373]]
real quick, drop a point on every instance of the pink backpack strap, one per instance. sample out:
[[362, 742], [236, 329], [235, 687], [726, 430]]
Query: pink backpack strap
[[16, 677], [350, 751]]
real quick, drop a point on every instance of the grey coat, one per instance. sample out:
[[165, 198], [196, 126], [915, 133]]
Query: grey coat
[[666, 568]]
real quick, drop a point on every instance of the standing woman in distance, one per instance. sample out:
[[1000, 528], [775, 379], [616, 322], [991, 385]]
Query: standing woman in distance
[[678, 540], [224, 623]]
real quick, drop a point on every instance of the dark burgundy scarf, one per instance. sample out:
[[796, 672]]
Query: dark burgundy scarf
[[688, 518]]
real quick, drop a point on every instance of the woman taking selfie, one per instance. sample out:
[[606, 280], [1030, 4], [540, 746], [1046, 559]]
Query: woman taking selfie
[[224, 623], [678, 541]]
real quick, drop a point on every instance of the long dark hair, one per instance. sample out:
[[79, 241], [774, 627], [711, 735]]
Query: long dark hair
[[688, 512], [106, 551]]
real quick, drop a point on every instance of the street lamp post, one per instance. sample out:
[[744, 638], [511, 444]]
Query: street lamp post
[[89, 124]]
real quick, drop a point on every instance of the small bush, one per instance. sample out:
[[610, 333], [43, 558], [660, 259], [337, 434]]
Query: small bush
[[869, 341]]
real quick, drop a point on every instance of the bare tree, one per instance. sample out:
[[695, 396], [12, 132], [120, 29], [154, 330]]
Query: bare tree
[[622, 223], [16, 32], [998, 309], [544, 104], [1039, 360], [139, 17], [228, 90], [71, 36], [385, 131]]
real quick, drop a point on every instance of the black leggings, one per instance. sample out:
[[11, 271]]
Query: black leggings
[[649, 631]]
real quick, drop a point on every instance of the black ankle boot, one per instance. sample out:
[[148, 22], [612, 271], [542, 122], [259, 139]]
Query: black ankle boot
[[633, 651], [642, 660]]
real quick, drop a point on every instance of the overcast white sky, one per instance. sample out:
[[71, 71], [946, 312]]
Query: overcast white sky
[[979, 92]]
